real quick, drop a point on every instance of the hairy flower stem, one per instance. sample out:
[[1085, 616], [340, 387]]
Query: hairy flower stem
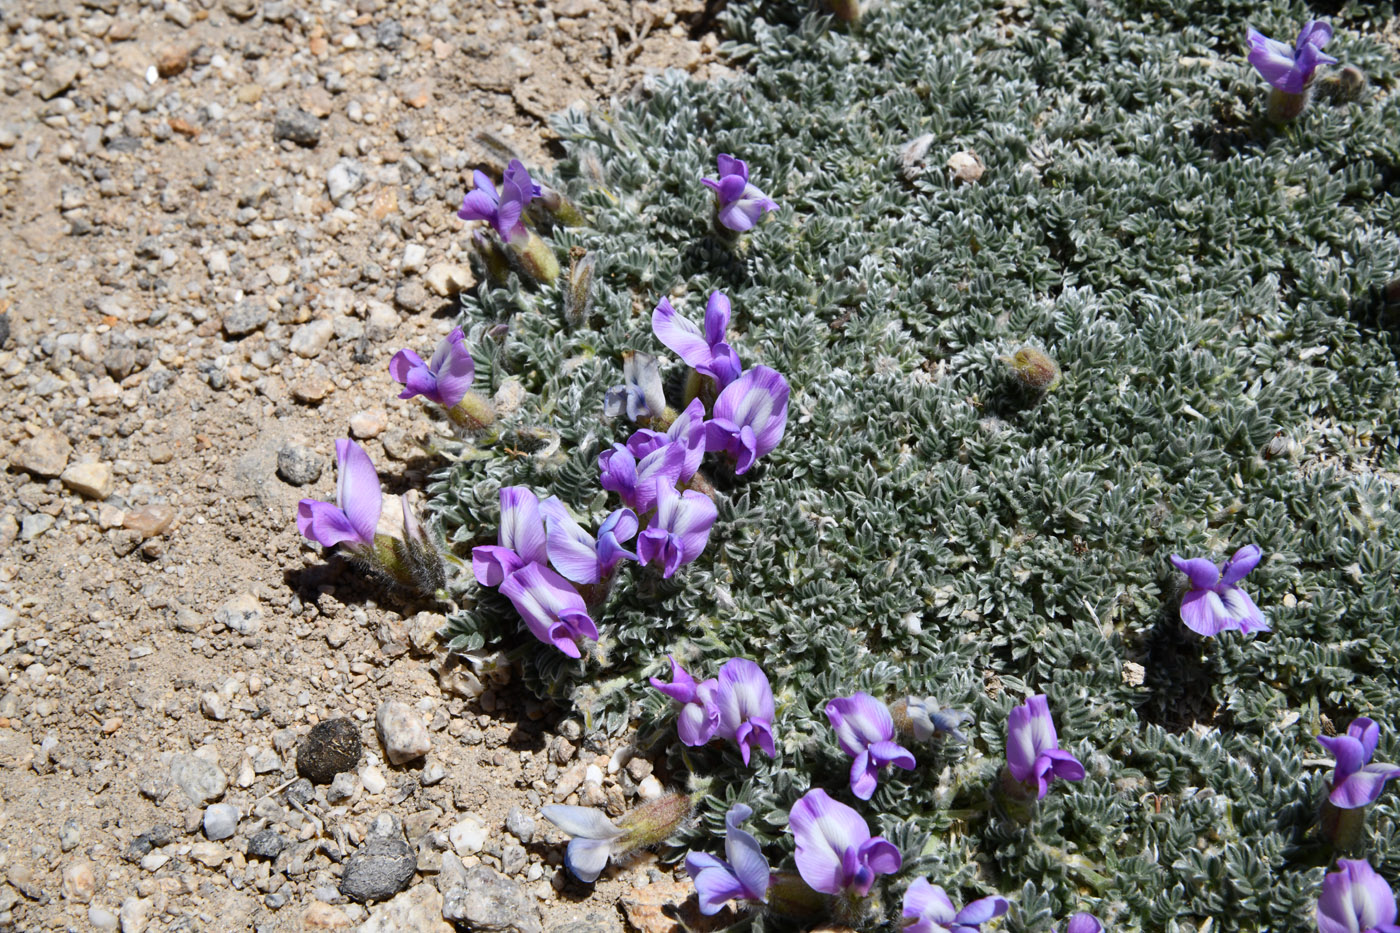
[[1344, 828], [1284, 106]]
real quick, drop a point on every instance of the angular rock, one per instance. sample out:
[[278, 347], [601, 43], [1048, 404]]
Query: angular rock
[[297, 125], [330, 748], [267, 844], [298, 465], [45, 454], [344, 179], [245, 317], [220, 821], [150, 521], [379, 869], [312, 337], [241, 614], [79, 882], [490, 902], [520, 825], [402, 732], [58, 77], [418, 909], [89, 480], [447, 279]]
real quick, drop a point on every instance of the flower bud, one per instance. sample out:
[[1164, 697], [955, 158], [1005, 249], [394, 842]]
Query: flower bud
[[536, 258], [1284, 106], [790, 896], [492, 257], [473, 414], [654, 822], [561, 207], [578, 297], [1033, 369]]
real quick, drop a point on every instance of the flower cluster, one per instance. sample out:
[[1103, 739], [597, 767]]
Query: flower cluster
[[505, 212], [1290, 69], [737, 706]]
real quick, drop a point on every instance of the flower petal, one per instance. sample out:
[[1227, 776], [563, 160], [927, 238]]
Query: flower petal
[[824, 830], [1064, 765], [1083, 923], [860, 720], [1240, 608], [715, 882], [890, 753], [522, 529], [682, 685], [744, 853], [865, 776], [1202, 573], [982, 910], [1349, 752], [324, 523], [404, 362], [1362, 788], [572, 551], [1241, 563], [929, 903], [728, 165], [581, 822], [587, 858], [679, 335], [492, 563], [717, 312], [357, 489], [1366, 731], [1203, 613]]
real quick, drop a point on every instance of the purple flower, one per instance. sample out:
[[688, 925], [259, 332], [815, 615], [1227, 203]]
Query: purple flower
[[1083, 923], [355, 515], [835, 852], [740, 203], [1215, 604], [636, 482], [521, 540], [688, 430], [742, 875], [641, 394], [865, 729], [445, 379], [575, 553], [553, 610], [928, 909], [749, 417], [1357, 782], [745, 707], [679, 530], [505, 210], [1033, 753], [699, 717], [594, 838], [706, 352], [1355, 900], [1290, 69]]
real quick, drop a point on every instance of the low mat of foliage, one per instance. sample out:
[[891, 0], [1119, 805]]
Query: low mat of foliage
[[1209, 284]]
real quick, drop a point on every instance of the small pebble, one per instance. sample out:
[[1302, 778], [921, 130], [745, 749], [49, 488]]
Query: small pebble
[[220, 821]]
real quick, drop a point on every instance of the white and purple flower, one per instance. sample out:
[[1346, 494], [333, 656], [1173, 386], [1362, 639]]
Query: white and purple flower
[[698, 721], [1216, 604], [445, 379], [705, 351], [741, 204], [835, 852], [745, 702], [928, 909], [688, 430], [865, 729], [679, 530], [1357, 782], [358, 503], [1290, 69], [1083, 923], [749, 417], [641, 394], [1033, 753], [635, 481], [741, 875], [1356, 900], [521, 539], [553, 610], [576, 554]]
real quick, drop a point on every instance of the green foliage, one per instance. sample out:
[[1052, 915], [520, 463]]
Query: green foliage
[[1208, 286]]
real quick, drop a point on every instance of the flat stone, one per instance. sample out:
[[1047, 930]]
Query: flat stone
[[208, 854], [418, 909], [45, 454], [402, 732], [966, 167], [89, 480], [668, 907], [367, 424], [79, 882], [58, 77], [298, 465], [245, 317], [446, 280], [345, 178], [202, 781], [468, 835], [520, 825], [414, 255], [151, 520], [379, 869], [490, 902], [322, 916], [330, 748]]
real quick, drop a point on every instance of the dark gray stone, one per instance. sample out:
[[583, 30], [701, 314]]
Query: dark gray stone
[[245, 317], [297, 125], [267, 844], [490, 902], [4, 327], [298, 465], [389, 34], [299, 792], [379, 869]]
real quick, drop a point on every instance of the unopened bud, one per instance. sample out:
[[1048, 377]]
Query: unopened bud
[[1033, 369], [790, 896], [561, 207], [654, 822], [1284, 106], [536, 258], [1351, 82], [578, 297], [493, 258], [473, 414]]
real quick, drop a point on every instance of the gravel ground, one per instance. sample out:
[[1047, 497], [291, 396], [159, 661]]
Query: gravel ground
[[221, 219]]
